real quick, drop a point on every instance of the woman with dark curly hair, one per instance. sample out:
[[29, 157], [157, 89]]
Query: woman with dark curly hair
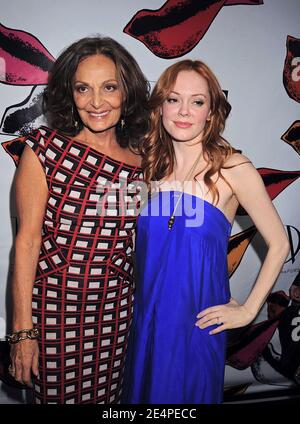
[[73, 275], [182, 301]]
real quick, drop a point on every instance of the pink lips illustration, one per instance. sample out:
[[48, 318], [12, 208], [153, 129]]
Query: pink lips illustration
[[178, 26], [25, 61]]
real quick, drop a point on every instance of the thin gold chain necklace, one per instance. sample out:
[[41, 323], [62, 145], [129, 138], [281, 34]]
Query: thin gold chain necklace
[[189, 174]]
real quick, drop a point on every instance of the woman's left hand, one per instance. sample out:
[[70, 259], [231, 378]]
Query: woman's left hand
[[230, 315]]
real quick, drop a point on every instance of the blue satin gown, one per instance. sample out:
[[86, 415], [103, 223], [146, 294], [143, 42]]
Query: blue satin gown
[[180, 272]]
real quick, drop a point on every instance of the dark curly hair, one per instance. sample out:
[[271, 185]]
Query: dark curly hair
[[58, 99]]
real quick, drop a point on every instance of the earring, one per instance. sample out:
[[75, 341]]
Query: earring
[[76, 124], [122, 124]]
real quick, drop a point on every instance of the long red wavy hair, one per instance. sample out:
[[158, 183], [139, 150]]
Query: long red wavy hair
[[158, 151]]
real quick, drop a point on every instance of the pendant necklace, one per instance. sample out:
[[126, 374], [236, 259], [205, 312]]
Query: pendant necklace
[[189, 174]]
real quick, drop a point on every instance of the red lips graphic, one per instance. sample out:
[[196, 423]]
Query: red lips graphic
[[178, 26]]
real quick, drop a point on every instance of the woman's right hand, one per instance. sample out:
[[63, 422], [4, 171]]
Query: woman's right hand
[[24, 360]]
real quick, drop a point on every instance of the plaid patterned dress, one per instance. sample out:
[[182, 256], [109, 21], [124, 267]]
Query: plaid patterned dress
[[82, 296]]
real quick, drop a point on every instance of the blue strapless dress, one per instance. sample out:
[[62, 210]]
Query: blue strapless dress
[[180, 272]]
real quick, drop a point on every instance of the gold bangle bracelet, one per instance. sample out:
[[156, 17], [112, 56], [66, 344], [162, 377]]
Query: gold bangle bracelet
[[17, 336]]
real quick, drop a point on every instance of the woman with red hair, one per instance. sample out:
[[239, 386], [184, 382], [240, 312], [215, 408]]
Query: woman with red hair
[[182, 303]]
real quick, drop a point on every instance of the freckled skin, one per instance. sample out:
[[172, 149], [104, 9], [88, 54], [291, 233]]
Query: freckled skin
[[187, 108]]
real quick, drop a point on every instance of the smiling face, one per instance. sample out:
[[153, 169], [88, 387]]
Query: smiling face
[[97, 93], [187, 108]]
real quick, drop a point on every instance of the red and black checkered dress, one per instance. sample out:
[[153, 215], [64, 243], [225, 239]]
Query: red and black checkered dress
[[82, 296]]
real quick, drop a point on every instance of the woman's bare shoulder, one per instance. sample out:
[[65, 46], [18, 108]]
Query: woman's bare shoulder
[[134, 159], [235, 160]]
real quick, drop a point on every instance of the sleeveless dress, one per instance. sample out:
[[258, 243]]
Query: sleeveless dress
[[82, 294], [180, 272]]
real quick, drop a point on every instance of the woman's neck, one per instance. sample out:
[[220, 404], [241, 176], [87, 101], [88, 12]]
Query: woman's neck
[[102, 140], [186, 153]]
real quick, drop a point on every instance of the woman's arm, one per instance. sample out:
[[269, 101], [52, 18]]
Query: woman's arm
[[252, 195], [250, 192], [31, 198]]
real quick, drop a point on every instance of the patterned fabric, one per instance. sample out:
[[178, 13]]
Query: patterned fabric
[[82, 296]]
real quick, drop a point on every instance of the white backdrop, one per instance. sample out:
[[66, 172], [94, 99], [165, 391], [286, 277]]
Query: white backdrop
[[245, 46]]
